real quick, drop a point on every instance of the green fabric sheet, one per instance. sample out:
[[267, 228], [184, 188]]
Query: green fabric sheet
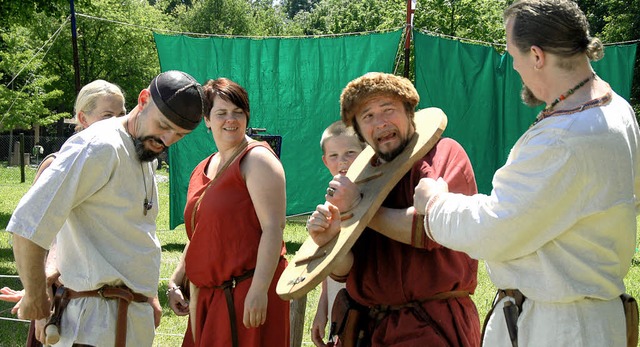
[[294, 87], [479, 91]]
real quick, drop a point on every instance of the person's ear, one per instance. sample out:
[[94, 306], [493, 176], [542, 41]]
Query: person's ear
[[144, 98], [324, 160], [538, 56], [82, 119]]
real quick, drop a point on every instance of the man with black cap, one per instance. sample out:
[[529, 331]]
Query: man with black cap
[[99, 199]]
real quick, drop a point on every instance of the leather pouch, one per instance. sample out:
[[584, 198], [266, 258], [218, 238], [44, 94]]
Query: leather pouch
[[631, 317], [348, 320]]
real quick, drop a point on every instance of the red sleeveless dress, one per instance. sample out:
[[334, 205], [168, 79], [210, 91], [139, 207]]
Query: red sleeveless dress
[[224, 244]]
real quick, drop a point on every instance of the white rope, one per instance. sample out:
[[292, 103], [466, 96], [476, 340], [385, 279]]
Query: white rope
[[622, 43], [54, 36], [299, 214], [225, 35], [15, 320], [28, 321], [433, 33], [17, 277]]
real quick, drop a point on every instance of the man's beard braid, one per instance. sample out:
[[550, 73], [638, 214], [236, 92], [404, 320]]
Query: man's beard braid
[[528, 98], [143, 153], [387, 157]]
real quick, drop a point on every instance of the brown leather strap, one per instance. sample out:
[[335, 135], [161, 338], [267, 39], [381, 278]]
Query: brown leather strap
[[378, 312], [228, 287], [631, 317], [439, 296], [108, 292], [233, 157], [31, 336], [124, 296], [60, 301], [518, 297]]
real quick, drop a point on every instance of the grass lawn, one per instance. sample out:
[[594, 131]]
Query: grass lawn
[[13, 333]]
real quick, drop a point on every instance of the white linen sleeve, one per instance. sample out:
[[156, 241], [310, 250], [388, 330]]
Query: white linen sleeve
[[532, 201], [80, 169]]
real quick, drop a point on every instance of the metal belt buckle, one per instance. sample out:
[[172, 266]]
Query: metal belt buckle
[[233, 282], [101, 292]]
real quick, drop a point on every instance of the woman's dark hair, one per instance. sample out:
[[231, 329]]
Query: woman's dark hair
[[227, 90]]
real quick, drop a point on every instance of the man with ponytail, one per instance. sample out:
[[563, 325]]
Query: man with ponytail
[[558, 231]]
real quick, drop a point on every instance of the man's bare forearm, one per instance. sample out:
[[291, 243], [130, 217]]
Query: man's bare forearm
[[30, 262], [343, 266], [394, 223]]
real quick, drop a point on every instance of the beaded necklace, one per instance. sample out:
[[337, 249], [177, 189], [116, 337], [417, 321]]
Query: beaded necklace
[[568, 93], [548, 111], [603, 100]]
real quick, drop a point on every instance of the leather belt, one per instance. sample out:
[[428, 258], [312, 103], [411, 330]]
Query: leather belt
[[123, 294], [439, 296], [378, 312], [227, 287]]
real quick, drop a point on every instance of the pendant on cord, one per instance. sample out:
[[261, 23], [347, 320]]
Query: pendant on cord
[[147, 206]]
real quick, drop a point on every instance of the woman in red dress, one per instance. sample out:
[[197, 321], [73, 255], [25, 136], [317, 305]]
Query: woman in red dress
[[235, 217]]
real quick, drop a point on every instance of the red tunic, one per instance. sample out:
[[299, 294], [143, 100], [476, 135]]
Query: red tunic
[[224, 245], [387, 272]]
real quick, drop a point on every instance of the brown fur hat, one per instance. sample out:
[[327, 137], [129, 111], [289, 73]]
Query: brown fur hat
[[372, 84]]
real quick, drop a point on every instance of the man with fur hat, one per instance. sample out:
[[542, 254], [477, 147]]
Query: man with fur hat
[[416, 292], [101, 195]]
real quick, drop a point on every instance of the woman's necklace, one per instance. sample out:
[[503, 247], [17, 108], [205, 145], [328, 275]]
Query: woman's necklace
[[148, 201], [548, 111]]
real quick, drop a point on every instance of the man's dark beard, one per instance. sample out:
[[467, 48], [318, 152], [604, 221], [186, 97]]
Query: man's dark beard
[[143, 153], [528, 98], [387, 157]]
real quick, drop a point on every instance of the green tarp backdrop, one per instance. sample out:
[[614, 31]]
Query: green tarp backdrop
[[479, 91], [294, 86]]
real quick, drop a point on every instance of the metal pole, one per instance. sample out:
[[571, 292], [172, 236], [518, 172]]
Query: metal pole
[[407, 42], [74, 42], [21, 161]]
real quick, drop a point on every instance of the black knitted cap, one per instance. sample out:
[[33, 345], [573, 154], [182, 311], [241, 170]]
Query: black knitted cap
[[179, 97]]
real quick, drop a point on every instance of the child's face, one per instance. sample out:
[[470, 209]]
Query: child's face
[[340, 152]]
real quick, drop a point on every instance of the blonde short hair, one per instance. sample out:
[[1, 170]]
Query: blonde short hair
[[338, 128], [89, 94]]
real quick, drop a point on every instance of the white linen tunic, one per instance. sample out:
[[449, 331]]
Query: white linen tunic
[[559, 225], [92, 197]]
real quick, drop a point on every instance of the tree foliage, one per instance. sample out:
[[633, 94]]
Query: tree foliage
[[27, 93], [115, 40], [118, 53], [621, 23], [352, 16], [224, 17], [293, 7], [474, 19]]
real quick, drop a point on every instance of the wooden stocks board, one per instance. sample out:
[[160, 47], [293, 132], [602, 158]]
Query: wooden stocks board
[[312, 264]]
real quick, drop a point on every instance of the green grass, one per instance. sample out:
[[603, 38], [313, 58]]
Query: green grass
[[172, 327]]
